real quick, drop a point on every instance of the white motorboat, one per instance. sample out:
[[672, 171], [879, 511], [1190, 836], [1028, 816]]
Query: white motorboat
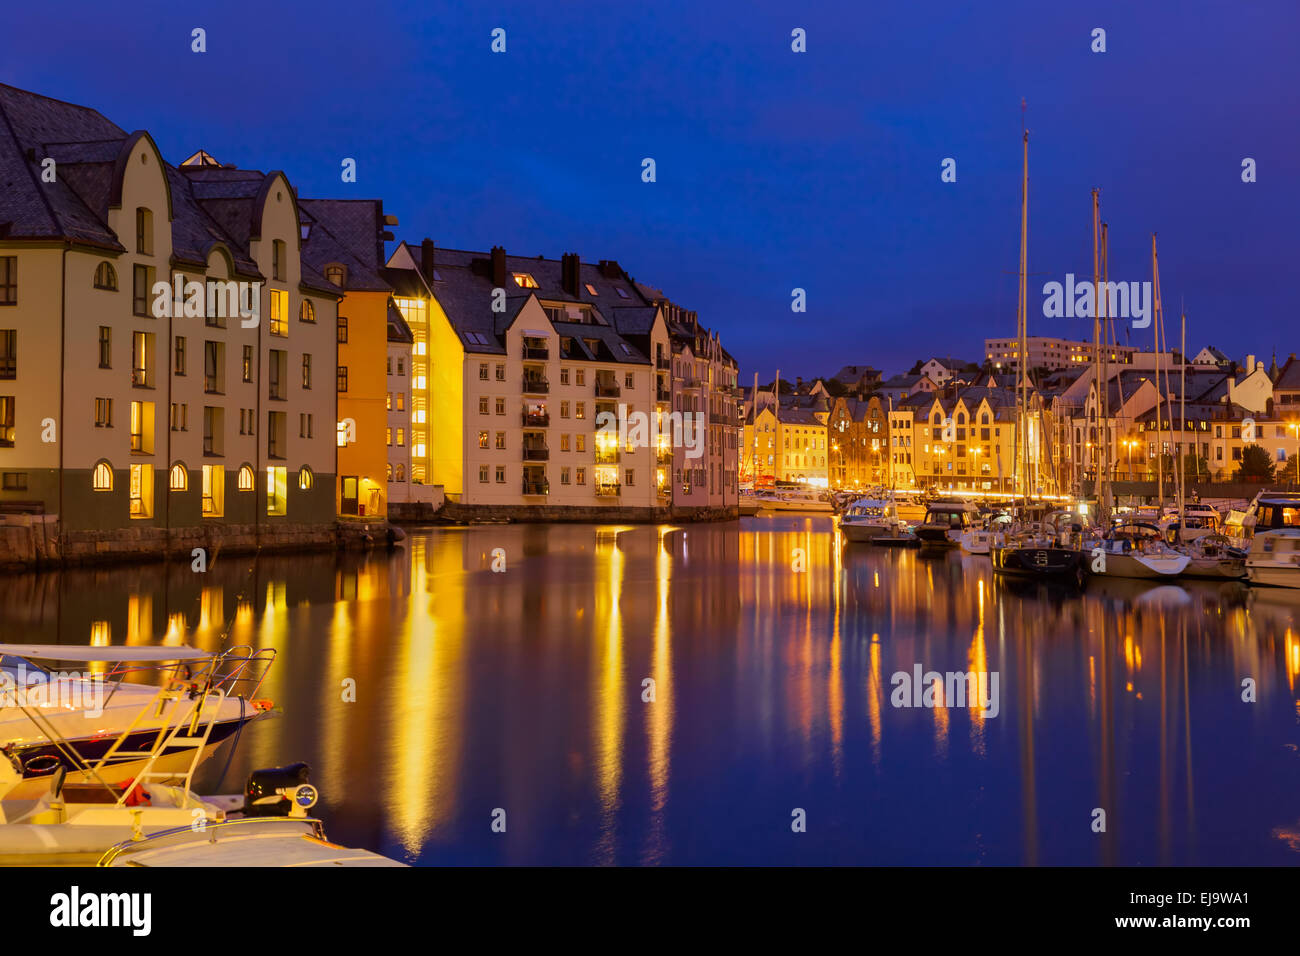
[[1267, 511], [102, 728], [801, 500], [1198, 521], [869, 518], [946, 519], [256, 841], [1274, 558]]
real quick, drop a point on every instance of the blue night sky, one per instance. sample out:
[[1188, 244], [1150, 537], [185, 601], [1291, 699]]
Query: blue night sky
[[775, 170]]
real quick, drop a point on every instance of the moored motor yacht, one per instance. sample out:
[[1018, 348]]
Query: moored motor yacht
[[1267, 511], [946, 519], [101, 728], [869, 518], [1274, 558]]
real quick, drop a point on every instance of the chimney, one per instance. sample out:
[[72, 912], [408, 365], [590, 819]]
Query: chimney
[[499, 267], [1250, 364], [426, 260], [609, 269], [569, 272]]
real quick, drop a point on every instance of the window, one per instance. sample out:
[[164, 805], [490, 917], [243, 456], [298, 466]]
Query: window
[[214, 367], [141, 491], [501, 474], [580, 442], [142, 282], [277, 435], [214, 491], [581, 475], [564, 476], [343, 378], [627, 478], [564, 409], [564, 442], [501, 440], [591, 290], [501, 373], [627, 380], [279, 312], [306, 370], [180, 420], [8, 353], [214, 431], [101, 478], [105, 347], [14, 481], [277, 261], [580, 377], [6, 421], [482, 439], [388, 437], [103, 413], [525, 281], [482, 405], [501, 406], [143, 231], [8, 280], [399, 367], [277, 489], [343, 330], [622, 293], [580, 410], [178, 354], [248, 363], [564, 376], [401, 437], [305, 479], [306, 312], [388, 365], [336, 274], [245, 481], [306, 421], [483, 371], [401, 472], [142, 428], [178, 478], [106, 277]]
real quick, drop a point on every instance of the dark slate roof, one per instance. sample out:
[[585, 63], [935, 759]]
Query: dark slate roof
[[346, 231], [1289, 375], [464, 291], [32, 209]]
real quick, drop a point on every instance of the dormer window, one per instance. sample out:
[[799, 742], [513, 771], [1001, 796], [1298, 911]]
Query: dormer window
[[336, 274], [525, 281], [591, 289], [622, 293]]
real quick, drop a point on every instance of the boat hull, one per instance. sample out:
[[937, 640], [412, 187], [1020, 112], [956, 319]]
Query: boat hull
[[1274, 575], [1064, 564], [1131, 566]]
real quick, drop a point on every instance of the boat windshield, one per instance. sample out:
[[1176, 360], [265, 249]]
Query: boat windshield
[[1276, 514]]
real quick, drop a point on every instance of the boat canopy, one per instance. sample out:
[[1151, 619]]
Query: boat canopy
[[112, 655]]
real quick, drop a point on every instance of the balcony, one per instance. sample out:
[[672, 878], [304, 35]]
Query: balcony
[[537, 487], [535, 419], [607, 388], [608, 490], [536, 385], [536, 453], [536, 353], [663, 362], [663, 395], [607, 455], [663, 453]]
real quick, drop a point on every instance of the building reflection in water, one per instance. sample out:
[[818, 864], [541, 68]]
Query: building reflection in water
[[670, 694]]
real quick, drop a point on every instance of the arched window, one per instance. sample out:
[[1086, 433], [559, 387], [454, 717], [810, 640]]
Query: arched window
[[305, 478], [401, 472], [102, 479], [179, 478], [390, 471], [336, 274], [106, 277], [306, 312], [246, 478]]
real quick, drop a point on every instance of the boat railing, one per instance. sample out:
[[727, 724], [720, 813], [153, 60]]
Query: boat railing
[[238, 670], [185, 834]]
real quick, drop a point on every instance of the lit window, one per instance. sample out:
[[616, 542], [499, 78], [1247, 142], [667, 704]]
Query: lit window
[[305, 479], [103, 477], [141, 494], [306, 312], [525, 281], [106, 276], [214, 491], [179, 479], [591, 289], [277, 491], [246, 478]]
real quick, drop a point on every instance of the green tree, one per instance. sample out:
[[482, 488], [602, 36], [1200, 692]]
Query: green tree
[[1290, 472], [1256, 465]]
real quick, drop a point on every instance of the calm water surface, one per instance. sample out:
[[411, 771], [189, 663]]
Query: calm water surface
[[522, 690]]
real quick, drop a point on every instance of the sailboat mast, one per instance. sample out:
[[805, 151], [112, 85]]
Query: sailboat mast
[[1105, 502], [1155, 293], [1023, 321], [1182, 425]]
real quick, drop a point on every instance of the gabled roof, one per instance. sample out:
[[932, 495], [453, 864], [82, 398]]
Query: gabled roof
[[347, 232], [1289, 375]]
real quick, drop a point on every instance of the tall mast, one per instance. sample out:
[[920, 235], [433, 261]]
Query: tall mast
[[1155, 294], [1022, 318], [1105, 502], [1098, 467], [1182, 425]]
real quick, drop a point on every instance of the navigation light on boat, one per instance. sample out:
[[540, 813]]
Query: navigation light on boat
[[280, 792]]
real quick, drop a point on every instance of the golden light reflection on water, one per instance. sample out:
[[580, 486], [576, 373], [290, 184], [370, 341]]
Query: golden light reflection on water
[[788, 666]]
